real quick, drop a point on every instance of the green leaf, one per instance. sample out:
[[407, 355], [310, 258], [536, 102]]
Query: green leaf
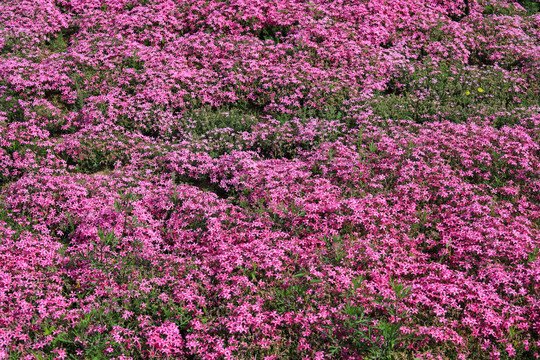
[[49, 331], [532, 256]]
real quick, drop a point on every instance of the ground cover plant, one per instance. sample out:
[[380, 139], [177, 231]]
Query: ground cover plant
[[283, 179]]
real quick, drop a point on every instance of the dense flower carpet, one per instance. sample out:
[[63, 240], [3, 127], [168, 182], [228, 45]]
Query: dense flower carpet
[[278, 179]]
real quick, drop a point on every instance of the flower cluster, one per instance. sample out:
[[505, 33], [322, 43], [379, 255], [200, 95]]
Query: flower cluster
[[269, 180]]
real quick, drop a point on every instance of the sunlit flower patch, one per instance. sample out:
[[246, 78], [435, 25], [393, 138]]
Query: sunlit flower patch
[[269, 180]]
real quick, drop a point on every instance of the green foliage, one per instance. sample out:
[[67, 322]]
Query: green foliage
[[331, 113], [456, 93], [274, 33], [90, 335], [294, 296], [23, 149], [94, 161], [9, 104], [359, 334], [82, 95], [284, 216], [252, 273], [133, 62], [98, 155], [532, 6], [206, 120], [57, 43], [335, 249], [67, 228], [5, 216], [286, 300], [533, 255], [135, 3], [498, 9], [497, 173], [220, 128], [13, 45]]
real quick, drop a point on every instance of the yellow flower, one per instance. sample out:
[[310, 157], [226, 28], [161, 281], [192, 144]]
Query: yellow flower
[[480, 90], [78, 285], [467, 92]]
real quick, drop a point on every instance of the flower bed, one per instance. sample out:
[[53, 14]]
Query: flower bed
[[269, 180]]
